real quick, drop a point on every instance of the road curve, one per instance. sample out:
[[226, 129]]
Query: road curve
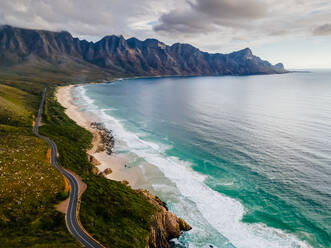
[[71, 216]]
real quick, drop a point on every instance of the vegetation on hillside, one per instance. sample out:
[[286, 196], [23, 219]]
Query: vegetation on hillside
[[113, 213], [29, 186]]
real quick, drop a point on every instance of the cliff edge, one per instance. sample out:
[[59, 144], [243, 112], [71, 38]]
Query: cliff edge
[[165, 224]]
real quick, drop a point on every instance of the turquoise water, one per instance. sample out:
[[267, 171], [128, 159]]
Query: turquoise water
[[245, 160]]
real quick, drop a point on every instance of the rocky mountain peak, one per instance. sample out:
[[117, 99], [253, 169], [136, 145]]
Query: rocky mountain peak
[[244, 53], [119, 56], [280, 66]]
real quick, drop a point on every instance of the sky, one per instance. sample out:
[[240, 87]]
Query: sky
[[295, 32]]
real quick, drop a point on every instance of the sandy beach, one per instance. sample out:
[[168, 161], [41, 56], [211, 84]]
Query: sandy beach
[[117, 164]]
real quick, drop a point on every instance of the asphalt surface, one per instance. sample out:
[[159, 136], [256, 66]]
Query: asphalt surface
[[71, 216]]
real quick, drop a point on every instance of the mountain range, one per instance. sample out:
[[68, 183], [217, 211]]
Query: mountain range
[[115, 55]]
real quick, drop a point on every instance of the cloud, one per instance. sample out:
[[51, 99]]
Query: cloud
[[205, 23], [245, 18], [324, 29], [210, 25], [208, 15], [82, 17], [230, 9]]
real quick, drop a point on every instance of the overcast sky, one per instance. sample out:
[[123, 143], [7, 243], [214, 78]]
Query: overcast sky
[[295, 32]]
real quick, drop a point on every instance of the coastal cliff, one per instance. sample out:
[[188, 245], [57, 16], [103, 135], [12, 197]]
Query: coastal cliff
[[165, 224]]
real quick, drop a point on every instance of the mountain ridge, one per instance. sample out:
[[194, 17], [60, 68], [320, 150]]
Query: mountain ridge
[[119, 56]]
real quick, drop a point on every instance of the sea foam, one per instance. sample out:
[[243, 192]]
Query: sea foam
[[221, 212]]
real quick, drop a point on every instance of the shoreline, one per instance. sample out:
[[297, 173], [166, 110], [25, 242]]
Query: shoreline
[[177, 76], [88, 119], [165, 225], [100, 159]]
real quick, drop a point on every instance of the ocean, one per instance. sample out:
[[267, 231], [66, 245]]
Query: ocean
[[245, 160]]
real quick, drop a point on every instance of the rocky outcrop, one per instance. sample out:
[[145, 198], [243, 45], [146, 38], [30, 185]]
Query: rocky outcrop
[[120, 56], [93, 160], [95, 163], [107, 138], [125, 182], [107, 171], [165, 224], [95, 170]]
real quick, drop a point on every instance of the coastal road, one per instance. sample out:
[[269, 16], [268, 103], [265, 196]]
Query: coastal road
[[72, 215]]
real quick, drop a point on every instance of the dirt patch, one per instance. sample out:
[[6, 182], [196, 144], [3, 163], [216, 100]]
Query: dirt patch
[[48, 155], [63, 206]]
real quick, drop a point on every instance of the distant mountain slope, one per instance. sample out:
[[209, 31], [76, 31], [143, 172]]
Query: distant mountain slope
[[118, 56]]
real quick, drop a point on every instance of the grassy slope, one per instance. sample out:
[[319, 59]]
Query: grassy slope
[[29, 185], [41, 72], [113, 213]]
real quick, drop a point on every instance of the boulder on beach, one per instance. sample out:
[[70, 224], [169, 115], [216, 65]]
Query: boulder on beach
[[107, 171]]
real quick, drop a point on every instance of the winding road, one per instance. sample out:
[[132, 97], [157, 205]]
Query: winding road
[[72, 215]]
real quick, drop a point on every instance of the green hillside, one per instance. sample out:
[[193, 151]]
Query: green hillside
[[29, 186], [123, 219]]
